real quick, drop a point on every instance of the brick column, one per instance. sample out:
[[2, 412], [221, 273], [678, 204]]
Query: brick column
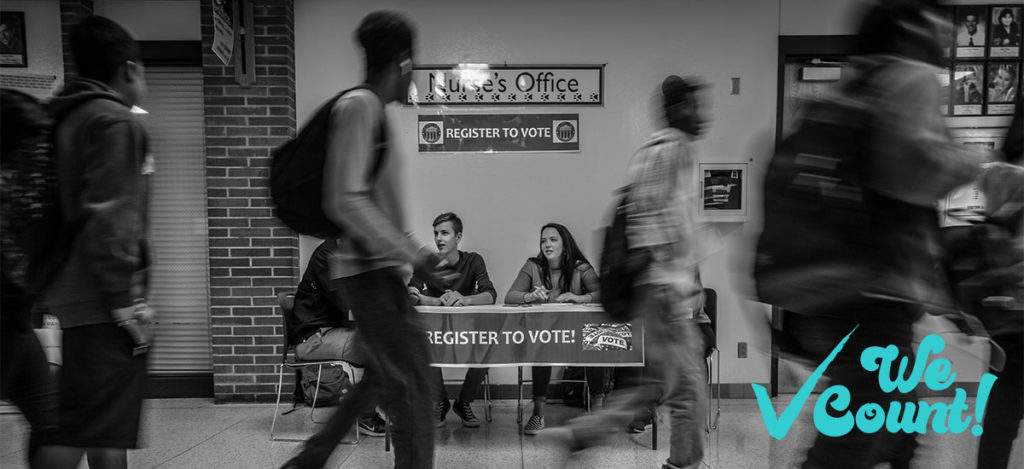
[[71, 12], [252, 255]]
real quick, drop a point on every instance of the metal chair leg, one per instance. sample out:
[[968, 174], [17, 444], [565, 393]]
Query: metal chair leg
[[277, 406], [487, 396]]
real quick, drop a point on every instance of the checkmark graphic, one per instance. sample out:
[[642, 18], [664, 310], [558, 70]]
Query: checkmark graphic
[[779, 426]]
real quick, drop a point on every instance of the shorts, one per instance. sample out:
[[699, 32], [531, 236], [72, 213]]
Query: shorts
[[101, 388]]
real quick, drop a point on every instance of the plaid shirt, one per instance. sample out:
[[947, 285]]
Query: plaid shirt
[[663, 213]]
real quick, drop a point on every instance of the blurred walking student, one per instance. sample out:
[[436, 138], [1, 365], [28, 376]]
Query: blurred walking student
[[868, 281], [669, 292], [375, 251], [99, 294], [474, 287], [25, 377], [560, 273]]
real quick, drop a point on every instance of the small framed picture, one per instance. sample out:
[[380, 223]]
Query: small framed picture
[[971, 27], [723, 188], [1003, 86], [1005, 31], [966, 204], [12, 39], [968, 88]]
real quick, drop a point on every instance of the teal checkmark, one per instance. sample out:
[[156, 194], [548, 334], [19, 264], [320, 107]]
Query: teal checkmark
[[778, 427]]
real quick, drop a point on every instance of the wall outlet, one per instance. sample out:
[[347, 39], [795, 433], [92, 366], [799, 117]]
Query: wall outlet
[[741, 350]]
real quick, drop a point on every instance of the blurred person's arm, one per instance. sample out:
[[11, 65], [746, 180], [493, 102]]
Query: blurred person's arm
[[351, 153], [913, 159], [113, 203]]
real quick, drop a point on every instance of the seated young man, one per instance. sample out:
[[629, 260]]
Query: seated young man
[[473, 287], [320, 326]]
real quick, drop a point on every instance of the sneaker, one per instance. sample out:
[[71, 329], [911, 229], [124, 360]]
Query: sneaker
[[441, 412], [465, 412], [534, 425], [638, 426], [372, 425]]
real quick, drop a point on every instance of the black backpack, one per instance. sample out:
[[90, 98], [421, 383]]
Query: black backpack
[[34, 241], [822, 238], [620, 265], [335, 384], [297, 174]]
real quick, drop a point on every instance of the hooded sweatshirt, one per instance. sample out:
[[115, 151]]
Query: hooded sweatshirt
[[102, 170]]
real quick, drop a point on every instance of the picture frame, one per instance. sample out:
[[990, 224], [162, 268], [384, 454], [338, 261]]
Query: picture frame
[[724, 192], [1005, 31], [971, 31], [967, 86], [13, 46], [1001, 87]]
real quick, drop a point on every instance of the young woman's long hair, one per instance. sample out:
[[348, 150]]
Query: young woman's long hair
[[571, 258]]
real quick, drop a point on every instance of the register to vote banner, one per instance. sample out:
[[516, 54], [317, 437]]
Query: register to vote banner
[[498, 133], [516, 335]]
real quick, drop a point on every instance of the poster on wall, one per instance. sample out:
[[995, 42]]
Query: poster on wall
[[504, 85], [967, 88], [1005, 30], [723, 187], [223, 30], [971, 28], [1003, 86], [12, 39], [498, 133]]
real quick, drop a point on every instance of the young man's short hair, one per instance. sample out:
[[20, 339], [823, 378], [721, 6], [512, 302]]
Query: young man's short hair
[[100, 47], [384, 36], [449, 216]]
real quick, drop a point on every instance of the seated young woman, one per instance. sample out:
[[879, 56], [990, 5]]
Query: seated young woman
[[560, 273]]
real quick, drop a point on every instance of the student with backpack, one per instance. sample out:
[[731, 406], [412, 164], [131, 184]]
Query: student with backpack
[[850, 242], [98, 291], [660, 218], [363, 198]]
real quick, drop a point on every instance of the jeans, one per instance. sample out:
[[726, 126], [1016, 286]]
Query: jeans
[[675, 373], [881, 323], [398, 373]]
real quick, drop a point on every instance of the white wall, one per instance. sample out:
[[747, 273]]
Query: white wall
[[505, 198], [154, 20], [42, 37]]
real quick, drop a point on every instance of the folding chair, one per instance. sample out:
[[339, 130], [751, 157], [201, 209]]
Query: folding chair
[[286, 300]]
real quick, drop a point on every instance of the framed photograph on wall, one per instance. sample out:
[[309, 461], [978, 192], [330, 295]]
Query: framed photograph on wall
[[723, 188], [1003, 87], [1005, 31], [12, 39], [971, 26], [949, 40], [968, 88]]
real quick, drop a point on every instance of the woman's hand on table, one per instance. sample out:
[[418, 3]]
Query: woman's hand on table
[[571, 298]]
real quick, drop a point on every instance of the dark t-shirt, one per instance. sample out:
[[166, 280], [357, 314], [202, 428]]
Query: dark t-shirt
[[474, 278]]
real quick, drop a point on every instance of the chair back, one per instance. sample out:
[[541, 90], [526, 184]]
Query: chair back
[[711, 307], [286, 300]]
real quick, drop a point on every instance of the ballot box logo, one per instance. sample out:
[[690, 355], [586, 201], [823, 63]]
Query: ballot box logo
[[607, 337], [431, 133], [564, 131]]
